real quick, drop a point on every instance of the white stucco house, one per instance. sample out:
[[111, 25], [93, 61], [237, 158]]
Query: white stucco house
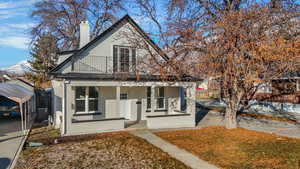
[[92, 94]]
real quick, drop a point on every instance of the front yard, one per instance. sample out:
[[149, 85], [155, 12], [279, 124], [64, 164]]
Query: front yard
[[238, 148], [106, 150]]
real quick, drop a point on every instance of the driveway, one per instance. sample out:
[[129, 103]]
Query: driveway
[[10, 140]]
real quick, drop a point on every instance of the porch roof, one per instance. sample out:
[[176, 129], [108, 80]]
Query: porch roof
[[125, 77]]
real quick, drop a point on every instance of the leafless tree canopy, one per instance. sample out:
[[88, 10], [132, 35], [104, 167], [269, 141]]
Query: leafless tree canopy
[[242, 43], [62, 17]]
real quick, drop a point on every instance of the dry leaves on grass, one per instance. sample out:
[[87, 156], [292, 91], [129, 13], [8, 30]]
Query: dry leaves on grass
[[238, 148], [105, 150]]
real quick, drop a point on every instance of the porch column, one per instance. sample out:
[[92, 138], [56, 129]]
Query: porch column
[[152, 99], [118, 90], [191, 100]]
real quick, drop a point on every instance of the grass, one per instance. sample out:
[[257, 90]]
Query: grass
[[105, 150], [238, 148], [44, 132]]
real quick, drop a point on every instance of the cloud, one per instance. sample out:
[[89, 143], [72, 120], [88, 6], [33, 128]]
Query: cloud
[[16, 4], [21, 25], [15, 8], [18, 42], [4, 5]]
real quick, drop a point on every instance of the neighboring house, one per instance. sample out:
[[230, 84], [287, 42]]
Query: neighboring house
[[99, 87], [280, 90]]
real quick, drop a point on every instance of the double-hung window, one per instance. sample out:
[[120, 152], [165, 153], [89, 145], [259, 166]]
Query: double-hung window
[[160, 98], [86, 100], [124, 59], [148, 97]]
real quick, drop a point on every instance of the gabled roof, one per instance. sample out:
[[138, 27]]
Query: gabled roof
[[126, 18]]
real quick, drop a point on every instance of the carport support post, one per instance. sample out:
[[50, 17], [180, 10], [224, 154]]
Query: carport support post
[[25, 116], [22, 122]]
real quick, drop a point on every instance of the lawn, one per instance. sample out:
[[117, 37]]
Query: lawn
[[238, 148], [105, 150]]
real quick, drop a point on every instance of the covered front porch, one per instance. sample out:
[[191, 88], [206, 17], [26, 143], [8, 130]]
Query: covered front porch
[[107, 106]]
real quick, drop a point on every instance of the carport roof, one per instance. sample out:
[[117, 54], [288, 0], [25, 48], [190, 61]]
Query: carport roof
[[15, 92]]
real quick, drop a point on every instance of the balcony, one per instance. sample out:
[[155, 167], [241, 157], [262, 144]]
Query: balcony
[[102, 64], [94, 64]]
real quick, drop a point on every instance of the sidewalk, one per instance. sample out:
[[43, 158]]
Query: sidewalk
[[175, 152], [9, 147]]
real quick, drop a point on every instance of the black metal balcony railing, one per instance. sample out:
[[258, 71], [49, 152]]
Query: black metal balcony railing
[[101, 64]]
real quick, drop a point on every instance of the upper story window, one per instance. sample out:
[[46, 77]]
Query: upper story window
[[124, 59]]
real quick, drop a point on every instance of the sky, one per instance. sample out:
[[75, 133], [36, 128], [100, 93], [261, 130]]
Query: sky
[[15, 24]]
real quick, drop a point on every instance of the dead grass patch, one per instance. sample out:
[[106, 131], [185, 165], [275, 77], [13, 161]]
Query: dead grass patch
[[266, 117], [105, 150], [238, 148], [45, 132]]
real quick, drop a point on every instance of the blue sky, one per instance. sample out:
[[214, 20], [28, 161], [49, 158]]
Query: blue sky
[[15, 24]]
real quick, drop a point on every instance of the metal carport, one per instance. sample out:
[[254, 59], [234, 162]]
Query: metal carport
[[22, 96]]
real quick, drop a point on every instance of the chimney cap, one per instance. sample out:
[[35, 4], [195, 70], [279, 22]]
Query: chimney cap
[[84, 22]]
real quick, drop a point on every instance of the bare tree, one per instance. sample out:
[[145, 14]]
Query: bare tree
[[242, 43], [61, 18]]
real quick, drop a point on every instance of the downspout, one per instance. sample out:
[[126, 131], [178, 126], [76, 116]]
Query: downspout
[[64, 108]]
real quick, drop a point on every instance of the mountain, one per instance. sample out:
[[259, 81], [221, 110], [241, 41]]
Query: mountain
[[20, 68]]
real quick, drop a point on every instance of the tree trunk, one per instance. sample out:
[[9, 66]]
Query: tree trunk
[[230, 115]]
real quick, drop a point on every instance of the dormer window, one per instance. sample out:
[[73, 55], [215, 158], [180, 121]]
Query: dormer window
[[124, 59]]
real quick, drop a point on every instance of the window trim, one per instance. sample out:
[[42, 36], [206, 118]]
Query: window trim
[[86, 101], [297, 84], [123, 93], [148, 97], [161, 97], [117, 59], [156, 97]]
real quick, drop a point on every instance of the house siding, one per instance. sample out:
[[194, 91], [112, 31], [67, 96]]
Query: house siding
[[100, 54]]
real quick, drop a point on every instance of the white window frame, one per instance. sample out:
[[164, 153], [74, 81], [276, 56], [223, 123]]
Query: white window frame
[[123, 94], [148, 98], [87, 99], [130, 64], [160, 97], [297, 84]]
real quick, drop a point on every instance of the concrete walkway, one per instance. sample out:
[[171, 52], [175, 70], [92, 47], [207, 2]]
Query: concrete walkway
[[9, 147], [175, 152]]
